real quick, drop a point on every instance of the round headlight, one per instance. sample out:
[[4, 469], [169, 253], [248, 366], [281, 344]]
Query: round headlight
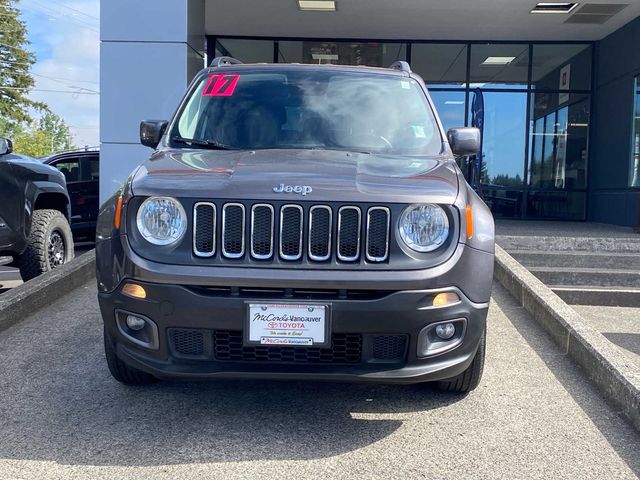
[[162, 220], [424, 227]]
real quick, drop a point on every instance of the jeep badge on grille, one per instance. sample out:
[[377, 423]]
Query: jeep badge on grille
[[301, 189]]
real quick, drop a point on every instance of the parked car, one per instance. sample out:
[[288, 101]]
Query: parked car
[[34, 214], [81, 169], [298, 222]]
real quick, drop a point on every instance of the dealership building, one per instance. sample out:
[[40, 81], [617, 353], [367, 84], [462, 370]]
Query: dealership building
[[555, 87]]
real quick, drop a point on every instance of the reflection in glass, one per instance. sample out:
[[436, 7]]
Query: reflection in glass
[[503, 138], [565, 204], [450, 108], [440, 65], [558, 146], [374, 54], [561, 67], [247, 51], [635, 159], [501, 170], [499, 65]]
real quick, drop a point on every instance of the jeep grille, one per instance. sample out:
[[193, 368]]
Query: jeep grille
[[291, 231]]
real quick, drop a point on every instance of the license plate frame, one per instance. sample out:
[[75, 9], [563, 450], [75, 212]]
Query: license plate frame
[[256, 335]]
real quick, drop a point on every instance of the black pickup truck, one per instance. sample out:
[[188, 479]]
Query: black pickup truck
[[34, 214]]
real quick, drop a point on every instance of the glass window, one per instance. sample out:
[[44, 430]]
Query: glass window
[[556, 204], [558, 144], [328, 109], [70, 168], [450, 107], [502, 121], [635, 160], [247, 51], [440, 65], [561, 67], [90, 168], [499, 66], [373, 54]]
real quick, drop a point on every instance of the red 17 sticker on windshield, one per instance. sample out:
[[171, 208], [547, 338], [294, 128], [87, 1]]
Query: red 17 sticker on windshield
[[221, 85]]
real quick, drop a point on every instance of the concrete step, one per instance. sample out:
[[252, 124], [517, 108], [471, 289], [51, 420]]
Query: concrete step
[[563, 244], [592, 277], [571, 259], [602, 296]]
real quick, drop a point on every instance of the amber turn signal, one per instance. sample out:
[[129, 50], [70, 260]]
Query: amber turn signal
[[134, 290], [469, 221], [444, 299], [118, 214]]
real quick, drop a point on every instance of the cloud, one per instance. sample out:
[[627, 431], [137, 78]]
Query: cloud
[[65, 38]]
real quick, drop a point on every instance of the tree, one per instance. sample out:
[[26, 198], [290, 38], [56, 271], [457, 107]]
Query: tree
[[56, 128], [15, 62], [41, 138]]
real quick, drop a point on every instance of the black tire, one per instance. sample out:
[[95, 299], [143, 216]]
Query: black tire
[[120, 370], [470, 378], [50, 244]]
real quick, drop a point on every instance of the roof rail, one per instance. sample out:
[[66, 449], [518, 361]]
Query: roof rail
[[400, 65], [222, 61]]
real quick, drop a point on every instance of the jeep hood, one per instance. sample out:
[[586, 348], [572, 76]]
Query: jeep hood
[[332, 175]]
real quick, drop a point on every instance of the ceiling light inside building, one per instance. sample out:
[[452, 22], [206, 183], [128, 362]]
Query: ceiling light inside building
[[317, 5], [498, 61], [324, 56], [554, 7]]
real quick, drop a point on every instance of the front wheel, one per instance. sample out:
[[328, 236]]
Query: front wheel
[[50, 244], [120, 370], [470, 378]]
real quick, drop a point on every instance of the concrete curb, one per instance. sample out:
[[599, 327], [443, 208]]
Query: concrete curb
[[616, 377], [25, 299]]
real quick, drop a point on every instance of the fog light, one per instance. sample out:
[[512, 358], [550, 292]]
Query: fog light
[[135, 323], [444, 331], [133, 290], [447, 298]]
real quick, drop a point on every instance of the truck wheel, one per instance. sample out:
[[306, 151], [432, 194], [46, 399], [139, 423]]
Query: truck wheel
[[50, 244], [120, 370], [470, 378]]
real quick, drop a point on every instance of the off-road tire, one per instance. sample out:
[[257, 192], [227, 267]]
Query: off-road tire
[[35, 259], [470, 378], [120, 370]]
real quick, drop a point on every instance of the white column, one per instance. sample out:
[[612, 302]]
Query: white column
[[149, 52]]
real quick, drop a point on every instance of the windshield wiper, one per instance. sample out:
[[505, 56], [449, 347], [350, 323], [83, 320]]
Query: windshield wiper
[[211, 144]]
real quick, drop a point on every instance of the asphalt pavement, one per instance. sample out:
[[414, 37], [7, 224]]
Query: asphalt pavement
[[534, 416]]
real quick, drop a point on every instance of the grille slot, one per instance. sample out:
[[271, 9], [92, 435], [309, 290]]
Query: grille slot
[[320, 233], [291, 232], [349, 221], [377, 246], [187, 342], [262, 231], [345, 348], [233, 230], [204, 230], [389, 347]]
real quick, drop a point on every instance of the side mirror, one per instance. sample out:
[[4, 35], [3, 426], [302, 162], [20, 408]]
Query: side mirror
[[464, 141], [5, 146], [151, 132]]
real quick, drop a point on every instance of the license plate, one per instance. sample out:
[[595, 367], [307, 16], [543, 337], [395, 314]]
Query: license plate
[[287, 324]]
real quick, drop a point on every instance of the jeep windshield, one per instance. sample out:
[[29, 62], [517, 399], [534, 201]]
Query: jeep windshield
[[308, 109]]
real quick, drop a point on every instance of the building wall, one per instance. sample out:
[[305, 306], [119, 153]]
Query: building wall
[[617, 63], [149, 52]]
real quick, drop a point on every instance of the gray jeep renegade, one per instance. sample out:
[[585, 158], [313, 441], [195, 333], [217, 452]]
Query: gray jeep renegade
[[298, 222]]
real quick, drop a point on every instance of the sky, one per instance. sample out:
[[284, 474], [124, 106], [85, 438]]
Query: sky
[[65, 37]]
